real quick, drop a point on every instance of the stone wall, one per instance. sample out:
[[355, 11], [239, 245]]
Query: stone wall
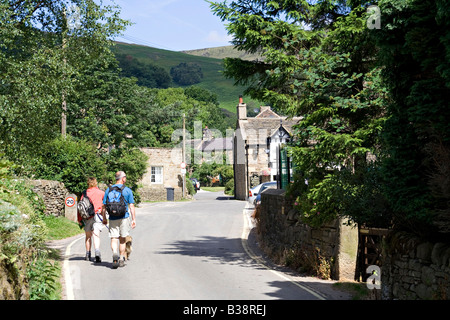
[[53, 193], [330, 250], [160, 193], [413, 270]]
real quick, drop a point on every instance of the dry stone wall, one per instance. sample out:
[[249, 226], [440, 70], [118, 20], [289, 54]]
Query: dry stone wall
[[53, 193], [416, 271], [332, 248], [411, 269]]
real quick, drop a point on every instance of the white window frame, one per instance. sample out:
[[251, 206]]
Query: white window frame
[[157, 177]]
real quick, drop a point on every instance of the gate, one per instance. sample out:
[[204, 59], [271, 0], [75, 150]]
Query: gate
[[369, 250]]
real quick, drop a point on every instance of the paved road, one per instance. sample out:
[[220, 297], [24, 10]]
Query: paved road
[[181, 251]]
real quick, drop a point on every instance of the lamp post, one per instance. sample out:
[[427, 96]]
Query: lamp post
[[280, 136]]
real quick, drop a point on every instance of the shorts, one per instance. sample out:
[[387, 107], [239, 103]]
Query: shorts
[[119, 228], [93, 224]]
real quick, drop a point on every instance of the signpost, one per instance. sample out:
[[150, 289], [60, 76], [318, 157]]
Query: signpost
[[70, 210], [70, 202]]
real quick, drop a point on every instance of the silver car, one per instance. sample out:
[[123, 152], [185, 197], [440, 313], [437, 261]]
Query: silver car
[[253, 192]]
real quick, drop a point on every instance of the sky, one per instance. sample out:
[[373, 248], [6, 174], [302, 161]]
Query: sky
[[174, 25]]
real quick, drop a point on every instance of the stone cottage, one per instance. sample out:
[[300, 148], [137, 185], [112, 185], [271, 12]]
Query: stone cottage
[[256, 144], [163, 171]]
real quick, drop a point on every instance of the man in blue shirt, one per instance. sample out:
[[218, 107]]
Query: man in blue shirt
[[119, 227]]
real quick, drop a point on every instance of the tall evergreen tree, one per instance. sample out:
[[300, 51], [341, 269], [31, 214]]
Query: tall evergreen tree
[[318, 64], [414, 49]]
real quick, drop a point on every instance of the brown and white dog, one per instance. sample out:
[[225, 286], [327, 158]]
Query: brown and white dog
[[129, 248]]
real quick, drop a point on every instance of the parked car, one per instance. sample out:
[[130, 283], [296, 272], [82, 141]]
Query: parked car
[[253, 192], [195, 183], [264, 187]]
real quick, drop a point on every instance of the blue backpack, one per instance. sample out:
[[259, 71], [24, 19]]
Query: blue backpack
[[115, 202]]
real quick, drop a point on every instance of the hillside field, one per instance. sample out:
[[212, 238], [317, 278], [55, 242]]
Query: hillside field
[[212, 68]]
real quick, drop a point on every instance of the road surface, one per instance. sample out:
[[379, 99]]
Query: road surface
[[188, 250]]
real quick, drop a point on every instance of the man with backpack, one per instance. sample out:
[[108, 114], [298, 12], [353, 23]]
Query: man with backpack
[[119, 204], [88, 209]]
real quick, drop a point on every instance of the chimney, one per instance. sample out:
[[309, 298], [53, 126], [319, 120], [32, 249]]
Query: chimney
[[241, 109]]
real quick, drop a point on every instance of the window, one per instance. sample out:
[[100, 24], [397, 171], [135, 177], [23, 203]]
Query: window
[[157, 175]]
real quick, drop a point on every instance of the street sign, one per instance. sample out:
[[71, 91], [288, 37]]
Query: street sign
[[183, 165], [70, 202], [183, 171]]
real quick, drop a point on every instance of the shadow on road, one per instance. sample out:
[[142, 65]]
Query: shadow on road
[[230, 251], [218, 249], [224, 198]]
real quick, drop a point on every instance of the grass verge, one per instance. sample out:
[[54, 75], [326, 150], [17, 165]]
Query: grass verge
[[61, 228], [213, 189], [358, 290]]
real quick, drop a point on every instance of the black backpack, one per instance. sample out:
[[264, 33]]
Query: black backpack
[[85, 207], [115, 202]]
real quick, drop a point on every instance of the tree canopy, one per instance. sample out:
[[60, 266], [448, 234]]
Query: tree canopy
[[46, 50], [372, 98], [186, 73], [147, 75]]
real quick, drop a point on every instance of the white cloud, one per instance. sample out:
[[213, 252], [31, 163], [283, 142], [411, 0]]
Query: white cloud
[[216, 37]]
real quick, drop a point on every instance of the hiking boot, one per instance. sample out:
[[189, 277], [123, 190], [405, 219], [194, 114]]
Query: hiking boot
[[115, 264], [98, 259], [121, 263], [88, 256]]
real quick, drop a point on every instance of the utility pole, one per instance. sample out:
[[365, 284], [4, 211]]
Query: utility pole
[[64, 102], [71, 23], [184, 154]]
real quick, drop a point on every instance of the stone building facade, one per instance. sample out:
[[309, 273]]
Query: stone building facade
[[256, 144], [163, 172]]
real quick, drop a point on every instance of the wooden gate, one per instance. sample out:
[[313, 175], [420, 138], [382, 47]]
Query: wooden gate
[[369, 250]]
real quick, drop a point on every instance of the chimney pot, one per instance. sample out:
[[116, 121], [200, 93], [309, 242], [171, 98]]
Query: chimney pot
[[241, 109]]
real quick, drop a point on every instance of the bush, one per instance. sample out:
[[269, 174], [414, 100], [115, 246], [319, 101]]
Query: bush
[[229, 187], [225, 172], [71, 162], [190, 187], [43, 277]]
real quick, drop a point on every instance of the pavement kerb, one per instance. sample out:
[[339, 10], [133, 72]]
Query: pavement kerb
[[248, 226]]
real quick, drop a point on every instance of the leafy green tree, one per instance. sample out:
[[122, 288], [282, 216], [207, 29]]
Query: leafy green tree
[[201, 94], [45, 48], [132, 161], [186, 73], [161, 112], [106, 106], [148, 75], [72, 162]]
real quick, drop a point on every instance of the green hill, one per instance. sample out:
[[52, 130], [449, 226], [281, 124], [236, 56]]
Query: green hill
[[212, 68]]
